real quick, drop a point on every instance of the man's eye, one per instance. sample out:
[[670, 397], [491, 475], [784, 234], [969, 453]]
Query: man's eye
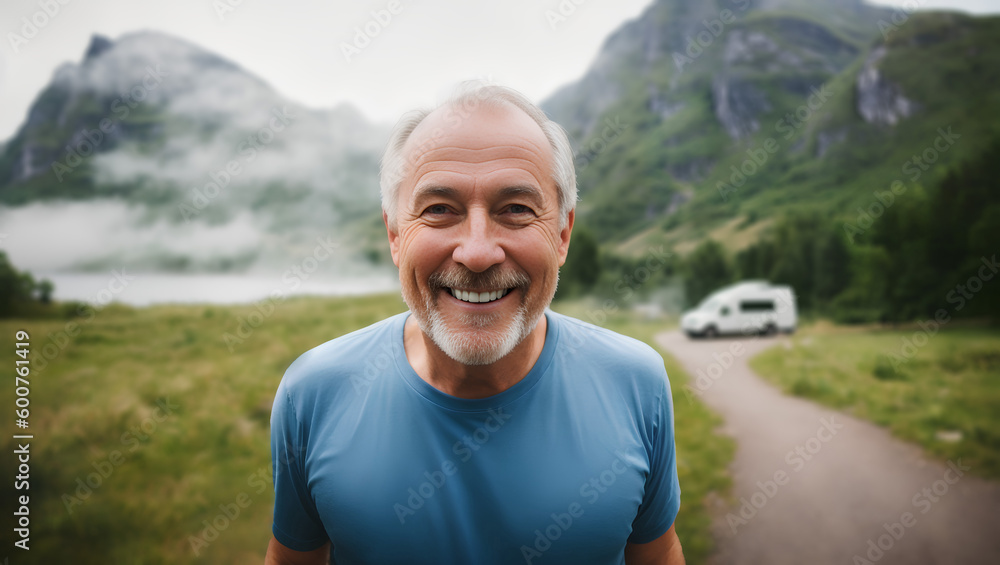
[[519, 209], [437, 209]]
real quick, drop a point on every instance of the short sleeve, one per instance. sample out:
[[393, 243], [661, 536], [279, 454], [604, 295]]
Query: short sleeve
[[662, 498], [296, 521]]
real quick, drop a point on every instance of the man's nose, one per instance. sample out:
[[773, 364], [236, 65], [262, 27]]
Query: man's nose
[[479, 246]]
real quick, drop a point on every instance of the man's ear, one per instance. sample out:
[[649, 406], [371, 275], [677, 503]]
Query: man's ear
[[564, 236], [393, 239]]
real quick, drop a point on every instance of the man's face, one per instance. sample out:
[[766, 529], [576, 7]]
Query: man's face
[[477, 238]]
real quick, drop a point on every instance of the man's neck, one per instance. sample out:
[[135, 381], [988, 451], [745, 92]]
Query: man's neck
[[471, 381]]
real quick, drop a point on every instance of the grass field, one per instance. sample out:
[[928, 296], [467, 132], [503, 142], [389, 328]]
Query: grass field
[[151, 429], [941, 391]]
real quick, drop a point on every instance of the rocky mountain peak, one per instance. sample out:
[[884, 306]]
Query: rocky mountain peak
[[98, 44]]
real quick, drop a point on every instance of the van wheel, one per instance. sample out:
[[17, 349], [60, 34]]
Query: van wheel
[[770, 330], [711, 332]]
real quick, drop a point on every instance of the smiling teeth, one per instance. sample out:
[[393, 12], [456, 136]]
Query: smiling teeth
[[478, 297]]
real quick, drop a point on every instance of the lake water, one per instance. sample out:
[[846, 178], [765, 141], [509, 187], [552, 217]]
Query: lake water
[[143, 289]]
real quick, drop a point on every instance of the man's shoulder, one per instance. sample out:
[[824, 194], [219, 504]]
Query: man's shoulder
[[586, 341], [611, 365], [344, 357]]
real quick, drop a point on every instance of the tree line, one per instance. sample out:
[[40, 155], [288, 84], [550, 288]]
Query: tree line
[[903, 257], [20, 293]]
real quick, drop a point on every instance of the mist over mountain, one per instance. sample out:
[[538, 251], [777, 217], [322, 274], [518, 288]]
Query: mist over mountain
[[154, 152], [697, 120]]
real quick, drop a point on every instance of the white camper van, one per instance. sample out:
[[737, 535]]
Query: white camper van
[[746, 308]]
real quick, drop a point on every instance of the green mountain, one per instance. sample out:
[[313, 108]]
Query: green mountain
[[847, 150], [712, 119]]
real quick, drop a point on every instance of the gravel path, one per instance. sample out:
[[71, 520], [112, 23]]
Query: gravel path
[[814, 486]]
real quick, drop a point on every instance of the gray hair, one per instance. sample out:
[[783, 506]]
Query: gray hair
[[470, 96]]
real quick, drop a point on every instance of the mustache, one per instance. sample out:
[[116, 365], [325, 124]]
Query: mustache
[[493, 278]]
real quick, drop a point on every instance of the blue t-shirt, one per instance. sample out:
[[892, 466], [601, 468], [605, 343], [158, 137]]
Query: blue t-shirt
[[566, 466]]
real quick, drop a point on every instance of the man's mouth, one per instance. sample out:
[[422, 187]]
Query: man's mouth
[[478, 297]]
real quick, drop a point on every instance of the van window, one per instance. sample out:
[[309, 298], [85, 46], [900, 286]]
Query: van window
[[757, 306], [708, 305]]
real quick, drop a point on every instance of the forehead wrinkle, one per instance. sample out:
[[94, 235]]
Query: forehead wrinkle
[[456, 140], [486, 167], [470, 154], [426, 133], [510, 163], [436, 158]]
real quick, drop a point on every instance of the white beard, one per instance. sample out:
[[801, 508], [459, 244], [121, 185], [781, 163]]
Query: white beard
[[487, 340], [483, 345]]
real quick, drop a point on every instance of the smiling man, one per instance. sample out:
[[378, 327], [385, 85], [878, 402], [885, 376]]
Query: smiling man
[[479, 427]]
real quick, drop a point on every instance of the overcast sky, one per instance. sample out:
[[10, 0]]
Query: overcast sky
[[297, 45]]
